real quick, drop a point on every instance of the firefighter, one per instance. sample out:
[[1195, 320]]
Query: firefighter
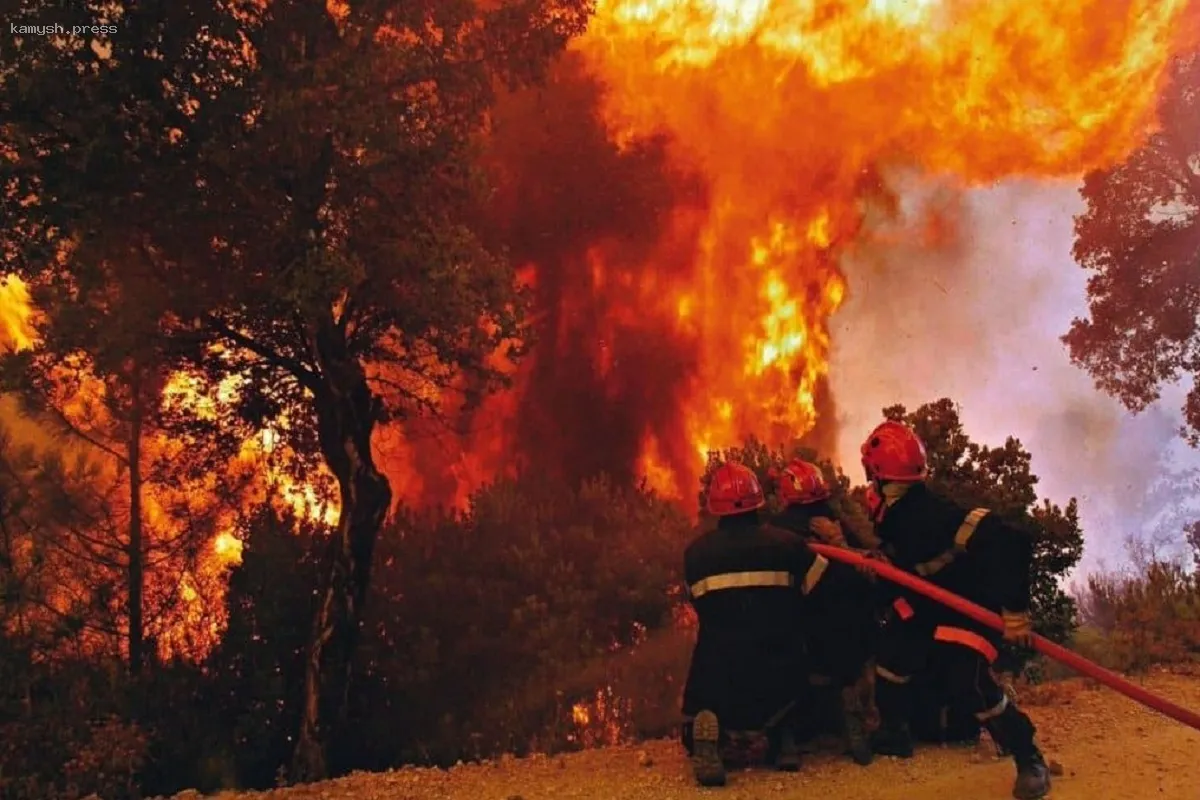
[[972, 553], [839, 621], [747, 582]]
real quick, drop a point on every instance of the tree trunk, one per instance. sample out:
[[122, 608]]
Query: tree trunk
[[137, 576], [347, 412]]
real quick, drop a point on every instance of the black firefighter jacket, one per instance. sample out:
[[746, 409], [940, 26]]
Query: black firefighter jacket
[[746, 582], [842, 592], [970, 552], [840, 620]]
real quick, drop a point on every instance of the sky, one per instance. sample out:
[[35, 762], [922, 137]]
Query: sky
[[978, 319]]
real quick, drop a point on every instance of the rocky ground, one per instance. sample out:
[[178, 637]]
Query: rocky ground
[[1103, 746]]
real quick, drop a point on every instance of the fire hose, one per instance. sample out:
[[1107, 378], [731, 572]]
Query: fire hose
[[993, 620]]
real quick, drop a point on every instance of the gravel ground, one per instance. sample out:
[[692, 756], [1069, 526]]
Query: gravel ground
[[1104, 747]]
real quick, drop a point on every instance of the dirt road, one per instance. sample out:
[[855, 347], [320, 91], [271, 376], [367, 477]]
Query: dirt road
[[1107, 746]]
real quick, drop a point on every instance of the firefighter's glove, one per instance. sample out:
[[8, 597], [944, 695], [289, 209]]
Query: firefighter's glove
[[1018, 628], [828, 531]]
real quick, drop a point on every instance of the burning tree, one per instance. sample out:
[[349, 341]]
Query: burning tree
[[96, 383], [285, 195]]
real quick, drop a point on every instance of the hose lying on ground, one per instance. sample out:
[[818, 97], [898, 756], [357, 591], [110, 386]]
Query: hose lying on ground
[[981, 615]]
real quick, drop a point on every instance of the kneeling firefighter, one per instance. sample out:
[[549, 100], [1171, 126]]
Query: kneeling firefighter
[[840, 621], [746, 581], [972, 553]]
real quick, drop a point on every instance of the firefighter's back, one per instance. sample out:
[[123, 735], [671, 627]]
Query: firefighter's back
[[744, 582]]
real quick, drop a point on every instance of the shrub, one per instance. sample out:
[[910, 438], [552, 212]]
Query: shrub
[[641, 690], [255, 679], [1141, 617], [109, 762], [63, 737], [485, 629]]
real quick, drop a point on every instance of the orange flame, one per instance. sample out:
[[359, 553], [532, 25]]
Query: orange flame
[[197, 623], [789, 108], [16, 329]]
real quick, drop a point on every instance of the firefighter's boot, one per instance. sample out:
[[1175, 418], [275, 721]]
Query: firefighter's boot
[[894, 737], [1013, 732], [788, 759], [854, 725], [706, 750]]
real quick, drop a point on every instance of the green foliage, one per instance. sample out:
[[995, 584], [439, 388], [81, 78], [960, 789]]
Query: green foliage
[[260, 662], [483, 631], [1137, 238], [60, 557], [110, 762], [289, 185], [64, 731]]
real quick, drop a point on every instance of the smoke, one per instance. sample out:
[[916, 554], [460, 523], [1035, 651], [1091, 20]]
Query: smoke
[[962, 293], [587, 215], [965, 297]]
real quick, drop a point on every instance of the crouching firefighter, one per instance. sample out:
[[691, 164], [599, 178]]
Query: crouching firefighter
[[839, 621], [972, 553], [746, 581]]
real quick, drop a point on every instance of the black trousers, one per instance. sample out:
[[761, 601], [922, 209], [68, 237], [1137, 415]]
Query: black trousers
[[957, 654], [954, 653], [840, 627]]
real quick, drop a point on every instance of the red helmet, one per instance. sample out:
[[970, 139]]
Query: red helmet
[[874, 503], [893, 452], [734, 489], [803, 483]]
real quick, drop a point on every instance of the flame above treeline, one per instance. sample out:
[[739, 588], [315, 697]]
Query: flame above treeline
[[681, 193]]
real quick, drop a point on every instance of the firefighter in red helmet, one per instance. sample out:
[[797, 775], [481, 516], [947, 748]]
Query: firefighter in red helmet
[[972, 553], [747, 582], [839, 623]]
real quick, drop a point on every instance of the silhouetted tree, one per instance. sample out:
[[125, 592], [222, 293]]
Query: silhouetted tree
[[1140, 239]]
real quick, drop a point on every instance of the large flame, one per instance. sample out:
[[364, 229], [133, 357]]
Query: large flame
[[789, 110]]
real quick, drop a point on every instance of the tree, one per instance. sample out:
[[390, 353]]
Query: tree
[[296, 188], [259, 667], [92, 378], [1000, 478], [1140, 239], [976, 475], [71, 512]]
